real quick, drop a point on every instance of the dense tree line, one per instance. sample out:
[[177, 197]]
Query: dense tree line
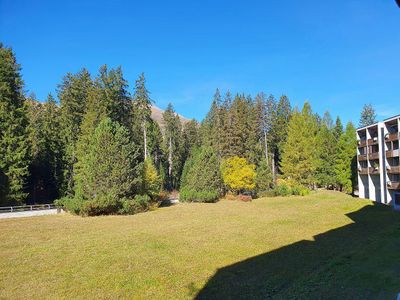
[[300, 148], [97, 147]]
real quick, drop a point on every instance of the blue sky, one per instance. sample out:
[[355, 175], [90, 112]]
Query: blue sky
[[338, 54]]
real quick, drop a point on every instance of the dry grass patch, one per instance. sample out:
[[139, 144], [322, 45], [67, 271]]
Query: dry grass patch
[[227, 249]]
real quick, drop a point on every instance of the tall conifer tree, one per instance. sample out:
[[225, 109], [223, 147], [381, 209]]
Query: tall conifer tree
[[14, 141], [142, 109], [299, 158], [73, 95]]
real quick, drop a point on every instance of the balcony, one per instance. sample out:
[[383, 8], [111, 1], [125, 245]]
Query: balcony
[[374, 155], [374, 171], [373, 141], [392, 153], [393, 185], [363, 171], [389, 137], [362, 157], [362, 143], [393, 169]]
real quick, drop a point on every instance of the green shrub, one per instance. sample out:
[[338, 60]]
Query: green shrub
[[194, 196], [300, 191], [72, 205], [282, 190], [285, 188], [139, 204]]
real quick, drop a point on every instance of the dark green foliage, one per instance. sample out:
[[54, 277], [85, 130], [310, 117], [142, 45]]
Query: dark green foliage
[[174, 147], [344, 164], [46, 168], [201, 176], [142, 111], [327, 149], [73, 94], [264, 180], [139, 204], [368, 116], [203, 196], [14, 141], [190, 137], [107, 171]]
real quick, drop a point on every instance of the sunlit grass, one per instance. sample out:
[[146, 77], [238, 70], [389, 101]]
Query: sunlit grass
[[168, 253]]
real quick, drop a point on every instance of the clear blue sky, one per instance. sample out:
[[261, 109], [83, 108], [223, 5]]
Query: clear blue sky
[[338, 54]]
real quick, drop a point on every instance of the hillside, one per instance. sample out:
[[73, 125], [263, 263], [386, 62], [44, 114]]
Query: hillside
[[157, 115]]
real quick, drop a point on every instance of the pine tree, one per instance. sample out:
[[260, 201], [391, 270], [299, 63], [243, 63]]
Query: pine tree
[[226, 126], [14, 141], [280, 130], [73, 95], [368, 116], [190, 137], [264, 179], [338, 129], [299, 158], [142, 107], [211, 127], [46, 165], [173, 143], [201, 178], [326, 147], [108, 170], [240, 116], [345, 166], [261, 118], [155, 142]]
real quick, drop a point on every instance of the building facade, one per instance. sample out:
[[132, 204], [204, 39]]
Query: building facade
[[378, 162]]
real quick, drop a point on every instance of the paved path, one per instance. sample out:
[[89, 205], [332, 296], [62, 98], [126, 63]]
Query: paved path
[[22, 214]]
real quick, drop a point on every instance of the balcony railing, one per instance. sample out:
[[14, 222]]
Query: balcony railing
[[389, 137], [393, 169], [363, 171], [374, 155], [374, 171], [392, 153], [373, 141], [362, 143], [362, 157], [393, 185]]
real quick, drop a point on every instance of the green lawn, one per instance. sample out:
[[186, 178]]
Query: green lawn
[[325, 245]]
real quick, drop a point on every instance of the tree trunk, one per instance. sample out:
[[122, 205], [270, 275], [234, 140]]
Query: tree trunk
[[145, 139], [266, 146], [170, 157], [273, 168]]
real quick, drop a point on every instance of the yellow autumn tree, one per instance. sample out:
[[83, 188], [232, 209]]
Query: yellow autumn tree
[[151, 182], [238, 175]]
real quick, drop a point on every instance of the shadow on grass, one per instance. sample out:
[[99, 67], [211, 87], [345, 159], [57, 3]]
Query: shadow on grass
[[357, 261]]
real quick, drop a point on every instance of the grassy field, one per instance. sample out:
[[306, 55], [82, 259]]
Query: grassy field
[[325, 245]]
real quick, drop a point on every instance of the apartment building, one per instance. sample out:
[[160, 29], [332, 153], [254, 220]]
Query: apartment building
[[378, 162]]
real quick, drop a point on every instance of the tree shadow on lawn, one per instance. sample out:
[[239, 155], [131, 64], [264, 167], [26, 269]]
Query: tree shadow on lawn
[[357, 261]]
